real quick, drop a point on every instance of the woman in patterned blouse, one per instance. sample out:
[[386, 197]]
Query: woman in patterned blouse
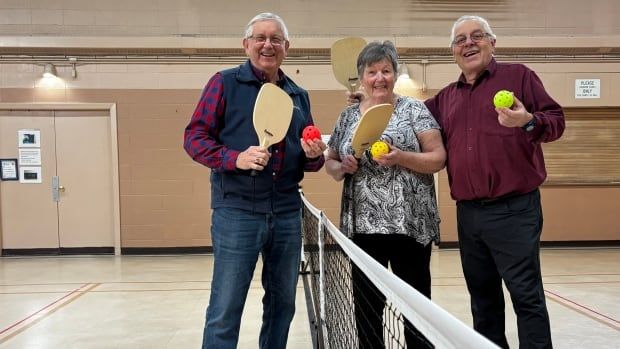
[[388, 202]]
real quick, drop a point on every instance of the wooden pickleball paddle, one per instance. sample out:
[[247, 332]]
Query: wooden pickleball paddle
[[344, 54], [370, 127]]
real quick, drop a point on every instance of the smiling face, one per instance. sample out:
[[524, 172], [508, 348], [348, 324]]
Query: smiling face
[[263, 54], [378, 81], [472, 57]]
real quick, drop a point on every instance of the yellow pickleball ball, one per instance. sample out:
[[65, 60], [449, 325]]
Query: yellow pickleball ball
[[379, 148], [503, 99]]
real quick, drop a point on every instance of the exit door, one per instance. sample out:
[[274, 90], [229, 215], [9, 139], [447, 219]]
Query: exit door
[[73, 206]]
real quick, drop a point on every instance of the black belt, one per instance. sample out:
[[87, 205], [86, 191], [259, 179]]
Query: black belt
[[493, 201]]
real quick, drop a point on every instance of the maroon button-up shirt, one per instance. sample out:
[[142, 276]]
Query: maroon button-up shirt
[[485, 159]]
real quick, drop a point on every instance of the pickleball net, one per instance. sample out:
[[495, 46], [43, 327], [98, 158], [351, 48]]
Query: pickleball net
[[355, 302]]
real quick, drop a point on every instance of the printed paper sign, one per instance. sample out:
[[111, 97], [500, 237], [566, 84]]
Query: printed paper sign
[[587, 88]]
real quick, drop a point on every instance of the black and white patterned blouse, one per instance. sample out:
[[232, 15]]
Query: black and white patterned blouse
[[388, 200]]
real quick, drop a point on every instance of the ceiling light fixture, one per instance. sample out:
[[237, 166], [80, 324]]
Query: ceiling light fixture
[[49, 71]]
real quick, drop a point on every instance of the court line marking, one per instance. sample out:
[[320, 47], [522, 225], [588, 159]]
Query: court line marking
[[253, 285], [545, 276], [110, 282], [582, 309], [29, 321], [611, 282]]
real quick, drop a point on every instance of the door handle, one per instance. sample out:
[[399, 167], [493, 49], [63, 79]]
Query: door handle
[[61, 189]]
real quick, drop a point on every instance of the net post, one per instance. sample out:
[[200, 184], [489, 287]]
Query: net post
[[322, 323]]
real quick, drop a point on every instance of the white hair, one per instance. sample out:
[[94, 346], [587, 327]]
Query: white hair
[[266, 16], [483, 22]]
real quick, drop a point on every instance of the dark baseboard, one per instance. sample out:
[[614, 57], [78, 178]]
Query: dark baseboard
[[86, 250], [588, 243], [68, 251], [166, 250], [62, 251], [599, 243], [448, 244]]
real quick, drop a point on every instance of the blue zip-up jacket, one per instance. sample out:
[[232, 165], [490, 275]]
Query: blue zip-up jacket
[[268, 191]]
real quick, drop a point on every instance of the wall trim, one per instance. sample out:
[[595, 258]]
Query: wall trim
[[552, 244], [62, 251], [166, 250]]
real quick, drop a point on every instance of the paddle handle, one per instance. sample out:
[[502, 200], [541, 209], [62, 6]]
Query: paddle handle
[[264, 144], [353, 85]]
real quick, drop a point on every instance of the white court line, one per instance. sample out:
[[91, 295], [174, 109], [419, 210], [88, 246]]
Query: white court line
[[602, 318], [20, 326]]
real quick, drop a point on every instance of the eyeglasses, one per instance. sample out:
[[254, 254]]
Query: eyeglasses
[[475, 37], [261, 40]]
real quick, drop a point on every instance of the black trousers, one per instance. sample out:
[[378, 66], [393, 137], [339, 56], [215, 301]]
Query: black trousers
[[499, 240], [410, 261]]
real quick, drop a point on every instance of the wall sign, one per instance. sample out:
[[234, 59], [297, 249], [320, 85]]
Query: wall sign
[[29, 138], [587, 88], [8, 170], [30, 175], [30, 156]]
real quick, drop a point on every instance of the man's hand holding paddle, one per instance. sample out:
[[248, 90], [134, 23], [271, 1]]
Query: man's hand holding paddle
[[253, 158]]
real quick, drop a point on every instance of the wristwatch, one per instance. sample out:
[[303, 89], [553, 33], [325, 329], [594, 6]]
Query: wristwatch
[[530, 125]]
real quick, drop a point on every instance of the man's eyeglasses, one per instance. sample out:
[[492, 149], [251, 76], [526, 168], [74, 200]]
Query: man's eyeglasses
[[475, 37], [261, 40]]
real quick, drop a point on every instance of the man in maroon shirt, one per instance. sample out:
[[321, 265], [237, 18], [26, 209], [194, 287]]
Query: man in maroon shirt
[[495, 166]]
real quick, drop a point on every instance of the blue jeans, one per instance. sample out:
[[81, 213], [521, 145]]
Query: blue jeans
[[238, 238]]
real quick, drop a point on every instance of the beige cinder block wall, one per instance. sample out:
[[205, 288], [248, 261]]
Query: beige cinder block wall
[[164, 195]]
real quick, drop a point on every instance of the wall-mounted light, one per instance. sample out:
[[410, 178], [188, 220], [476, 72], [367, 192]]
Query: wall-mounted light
[[404, 85], [424, 62], [49, 71], [73, 61]]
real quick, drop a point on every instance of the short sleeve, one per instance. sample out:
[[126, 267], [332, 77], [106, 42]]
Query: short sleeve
[[340, 140], [423, 120], [336, 137]]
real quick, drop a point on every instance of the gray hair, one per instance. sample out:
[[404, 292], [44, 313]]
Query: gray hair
[[377, 51], [483, 22], [266, 16]]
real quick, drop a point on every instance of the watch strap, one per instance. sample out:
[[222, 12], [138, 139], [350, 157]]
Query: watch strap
[[530, 125]]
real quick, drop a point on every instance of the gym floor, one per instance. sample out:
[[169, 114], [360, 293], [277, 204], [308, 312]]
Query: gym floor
[[159, 301]]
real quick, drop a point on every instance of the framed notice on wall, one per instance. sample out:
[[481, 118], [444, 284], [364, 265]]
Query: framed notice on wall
[[9, 170], [30, 175], [29, 138]]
